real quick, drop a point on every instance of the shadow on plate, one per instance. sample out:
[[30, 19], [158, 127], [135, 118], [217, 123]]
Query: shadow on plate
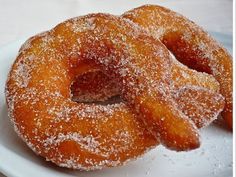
[[220, 123]]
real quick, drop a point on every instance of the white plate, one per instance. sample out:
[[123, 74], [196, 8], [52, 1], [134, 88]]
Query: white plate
[[214, 158]]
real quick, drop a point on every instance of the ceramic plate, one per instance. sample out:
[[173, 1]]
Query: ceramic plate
[[213, 158]]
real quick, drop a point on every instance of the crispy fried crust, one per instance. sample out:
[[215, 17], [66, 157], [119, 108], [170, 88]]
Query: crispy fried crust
[[196, 93], [87, 137], [90, 136], [191, 45]]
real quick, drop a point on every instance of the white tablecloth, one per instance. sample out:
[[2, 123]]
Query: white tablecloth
[[24, 18]]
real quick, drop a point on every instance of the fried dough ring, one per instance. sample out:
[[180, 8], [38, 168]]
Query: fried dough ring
[[57, 128], [191, 45]]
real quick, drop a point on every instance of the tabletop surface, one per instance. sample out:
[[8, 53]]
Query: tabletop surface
[[25, 18]]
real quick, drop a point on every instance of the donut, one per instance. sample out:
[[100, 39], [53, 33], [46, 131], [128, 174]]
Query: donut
[[191, 45], [196, 93], [90, 136]]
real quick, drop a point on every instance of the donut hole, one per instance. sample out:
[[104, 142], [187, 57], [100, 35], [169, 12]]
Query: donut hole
[[95, 88]]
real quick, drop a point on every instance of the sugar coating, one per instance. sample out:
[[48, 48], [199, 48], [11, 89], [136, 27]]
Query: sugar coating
[[202, 110], [184, 76], [108, 141], [191, 45], [194, 101], [45, 117], [134, 80]]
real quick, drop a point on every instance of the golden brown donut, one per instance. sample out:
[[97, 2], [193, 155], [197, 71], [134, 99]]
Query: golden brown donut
[[55, 127], [191, 45]]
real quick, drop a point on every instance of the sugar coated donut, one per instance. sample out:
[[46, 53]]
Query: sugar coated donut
[[59, 77], [83, 136], [191, 45]]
